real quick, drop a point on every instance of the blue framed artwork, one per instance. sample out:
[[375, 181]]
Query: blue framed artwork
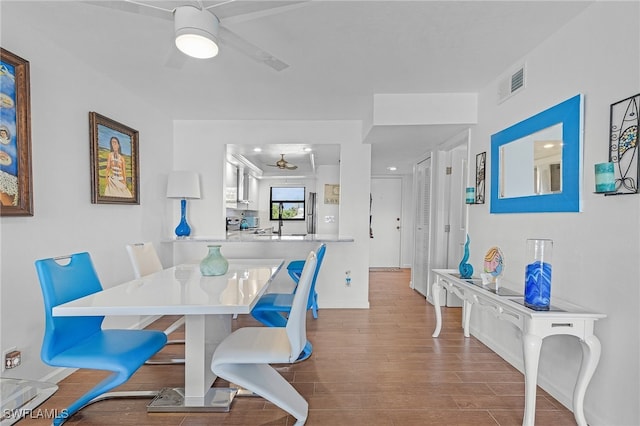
[[16, 190], [536, 164]]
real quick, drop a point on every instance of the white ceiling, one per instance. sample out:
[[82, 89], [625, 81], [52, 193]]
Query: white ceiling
[[339, 54]]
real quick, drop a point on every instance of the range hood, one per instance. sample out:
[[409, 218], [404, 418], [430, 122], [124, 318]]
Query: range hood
[[243, 186]]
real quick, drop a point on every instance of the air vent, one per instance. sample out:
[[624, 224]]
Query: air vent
[[510, 85]]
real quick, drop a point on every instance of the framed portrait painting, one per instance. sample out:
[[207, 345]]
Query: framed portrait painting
[[16, 190], [114, 162]]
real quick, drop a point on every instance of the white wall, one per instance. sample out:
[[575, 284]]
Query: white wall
[[596, 252], [63, 91], [200, 146]]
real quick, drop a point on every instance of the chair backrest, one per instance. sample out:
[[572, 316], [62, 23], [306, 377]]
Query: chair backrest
[[144, 259], [297, 322], [320, 256], [63, 279]]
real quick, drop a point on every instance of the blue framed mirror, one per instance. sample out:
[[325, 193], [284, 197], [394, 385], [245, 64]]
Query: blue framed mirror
[[536, 164]]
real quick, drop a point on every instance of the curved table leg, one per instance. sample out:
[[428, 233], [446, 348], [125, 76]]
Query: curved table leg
[[591, 349], [531, 352], [435, 293], [466, 316]]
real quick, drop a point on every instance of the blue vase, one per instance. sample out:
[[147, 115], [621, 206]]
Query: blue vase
[[465, 269], [537, 274], [537, 287], [183, 229], [214, 263]]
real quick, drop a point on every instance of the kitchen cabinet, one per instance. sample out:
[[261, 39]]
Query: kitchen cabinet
[[231, 186], [253, 188], [241, 188]]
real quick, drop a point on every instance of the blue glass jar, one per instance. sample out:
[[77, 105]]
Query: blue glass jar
[[537, 276]]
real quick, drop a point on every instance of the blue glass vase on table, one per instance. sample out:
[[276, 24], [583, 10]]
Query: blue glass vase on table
[[537, 286]]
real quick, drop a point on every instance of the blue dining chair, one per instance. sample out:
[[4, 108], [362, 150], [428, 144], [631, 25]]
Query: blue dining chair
[[80, 342], [273, 308]]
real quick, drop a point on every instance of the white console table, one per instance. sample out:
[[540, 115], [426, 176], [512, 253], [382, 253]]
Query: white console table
[[561, 319]]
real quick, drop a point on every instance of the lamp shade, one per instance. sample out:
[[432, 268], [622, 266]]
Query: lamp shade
[[183, 184], [196, 32]]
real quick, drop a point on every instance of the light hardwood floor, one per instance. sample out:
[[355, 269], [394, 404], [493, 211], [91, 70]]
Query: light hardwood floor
[[369, 367]]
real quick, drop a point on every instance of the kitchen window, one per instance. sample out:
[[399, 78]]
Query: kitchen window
[[292, 201]]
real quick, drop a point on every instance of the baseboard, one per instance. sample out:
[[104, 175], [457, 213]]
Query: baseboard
[[340, 304], [58, 375]]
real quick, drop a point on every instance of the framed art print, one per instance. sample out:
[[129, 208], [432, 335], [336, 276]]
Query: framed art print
[[16, 190], [481, 160], [114, 162], [623, 144]]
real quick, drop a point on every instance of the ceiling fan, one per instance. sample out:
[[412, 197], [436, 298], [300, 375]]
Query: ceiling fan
[[196, 20], [283, 164]]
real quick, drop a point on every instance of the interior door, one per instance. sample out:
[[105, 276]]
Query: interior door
[[421, 260], [386, 210], [457, 207]]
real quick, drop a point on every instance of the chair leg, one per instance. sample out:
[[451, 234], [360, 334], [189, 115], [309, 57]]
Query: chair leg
[[314, 306], [266, 382], [173, 327], [306, 352], [169, 361], [99, 393]]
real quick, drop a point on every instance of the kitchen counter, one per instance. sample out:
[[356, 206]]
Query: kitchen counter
[[252, 237]]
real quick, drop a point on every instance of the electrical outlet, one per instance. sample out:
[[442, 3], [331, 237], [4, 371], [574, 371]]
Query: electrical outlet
[[11, 359], [347, 279]]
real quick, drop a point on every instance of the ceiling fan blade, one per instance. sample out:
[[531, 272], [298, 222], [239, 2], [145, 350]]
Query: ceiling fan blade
[[242, 11], [291, 167], [136, 7], [175, 59], [233, 40]]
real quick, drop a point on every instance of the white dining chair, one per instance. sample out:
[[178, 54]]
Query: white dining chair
[[243, 357], [145, 261]]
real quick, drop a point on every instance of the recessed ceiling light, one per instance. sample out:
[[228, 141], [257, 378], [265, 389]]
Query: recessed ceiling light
[[307, 149], [257, 149], [392, 168], [548, 145]]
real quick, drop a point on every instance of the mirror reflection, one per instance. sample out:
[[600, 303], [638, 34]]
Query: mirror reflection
[[532, 165]]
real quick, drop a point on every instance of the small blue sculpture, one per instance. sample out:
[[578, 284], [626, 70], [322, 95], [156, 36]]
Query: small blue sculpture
[[466, 270]]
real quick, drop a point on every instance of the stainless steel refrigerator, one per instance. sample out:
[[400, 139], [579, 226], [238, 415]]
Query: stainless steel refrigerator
[[312, 213]]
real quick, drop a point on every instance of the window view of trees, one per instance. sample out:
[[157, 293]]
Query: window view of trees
[[292, 200]]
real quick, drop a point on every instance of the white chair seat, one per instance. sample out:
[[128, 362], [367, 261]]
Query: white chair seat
[[251, 345]]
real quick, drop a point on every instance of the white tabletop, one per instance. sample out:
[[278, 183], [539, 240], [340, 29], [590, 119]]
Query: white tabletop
[[207, 304], [182, 290]]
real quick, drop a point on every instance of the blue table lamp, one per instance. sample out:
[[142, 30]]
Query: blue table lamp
[[183, 185]]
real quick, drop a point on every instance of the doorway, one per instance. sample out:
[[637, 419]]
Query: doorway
[[385, 222]]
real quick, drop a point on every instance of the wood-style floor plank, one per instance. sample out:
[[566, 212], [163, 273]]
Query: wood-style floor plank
[[377, 366]]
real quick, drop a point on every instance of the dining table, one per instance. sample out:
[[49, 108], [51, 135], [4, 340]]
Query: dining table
[[208, 304]]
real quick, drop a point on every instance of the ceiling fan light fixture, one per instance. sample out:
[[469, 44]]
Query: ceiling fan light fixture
[[196, 32]]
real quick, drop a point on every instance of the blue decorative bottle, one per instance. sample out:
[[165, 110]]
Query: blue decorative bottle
[[537, 276], [183, 229], [466, 270], [214, 263]]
